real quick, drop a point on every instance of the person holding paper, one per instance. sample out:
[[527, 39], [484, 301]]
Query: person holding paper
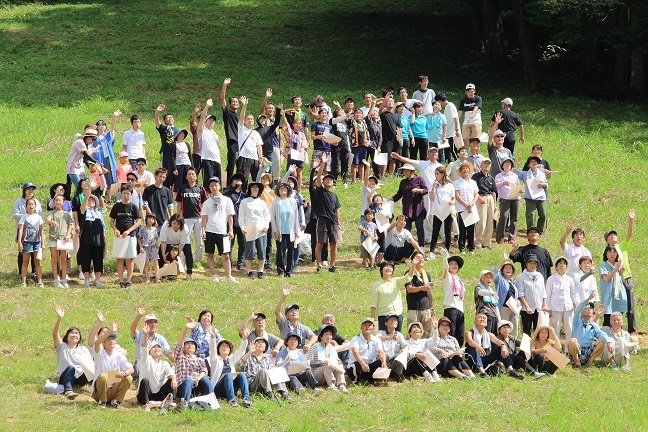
[[588, 340], [416, 348], [518, 357], [613, 293], [544, 336], [442, 197], [394, 344], [399, 241], [487, 190], [369, 187], [60, 232], [368, 230], [367, 354], [466, 195], [124, 220], [535, 195], [323, 357], [506, 181], [623, 343], [385, 299], [562, 298], [292, 359], [507, 293], [156, 377], [419, 297], [532, 294], [446, 348], [256, 364], [486, 300], [286, 220], [113, 372], [224, 378], [254, 220], [296, 149], [454, 292], [377, 206], [584, 279], [174, 232], [71, 355]]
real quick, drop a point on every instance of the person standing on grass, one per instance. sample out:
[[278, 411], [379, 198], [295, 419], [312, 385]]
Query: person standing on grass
[[237, 193], [424, 94], [535, 194], [498, 153], [190, 198], [466, 195], [521, 254], [209, 148], [413, 189], [285, 214], [437, 128], [532, 294], [231, 124], [196, 155], [71, 355], [453, 129], [181, 161], [562, 298], [487, 190], [613, 294], [61, 226], [31, 240], [442, 195], [218, 229], [327, 211], [144, 176], [158, 199], [506, 121], [254, 214], [474, 156], [508, 206], [506, 289], [390, 125], [250, 145], [80, 153], [134, 141], [612, 238], [106, 359], [167, 132], [470, 106], [268, 123], [574, 251], [124, 220], [105, 143], [453, 167], [92, 238], [289, 323], [454, 292]]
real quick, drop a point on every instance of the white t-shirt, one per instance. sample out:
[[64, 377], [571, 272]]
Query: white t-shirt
[[209, 145], [586, 287], [573, 255], [169, 236], [450, 112], [66, 357], [396, 238], [217, 213], [249, 140], [427, 169], [182, 154], [75, 158], [134, 142], [148, 176], [105, 363], [427, 97]]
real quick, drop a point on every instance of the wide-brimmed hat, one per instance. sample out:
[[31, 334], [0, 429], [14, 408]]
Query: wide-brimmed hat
[[90, 133], [286, 185], [56, 186], [407, 167], [177, 134], [470, 166], [324, 328], [537, 330], [533, 158], [503, 323], [259, 185], [485, 272], [457, 259]]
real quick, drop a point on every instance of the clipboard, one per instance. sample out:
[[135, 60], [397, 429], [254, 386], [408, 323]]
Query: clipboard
[[511, 303], [442, 145], [516, 191], [297, 367], [167, 270], [65, 245], [277, 375], [120, 246]]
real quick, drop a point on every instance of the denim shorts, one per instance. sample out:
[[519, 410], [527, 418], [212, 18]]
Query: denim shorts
[[29, 247]]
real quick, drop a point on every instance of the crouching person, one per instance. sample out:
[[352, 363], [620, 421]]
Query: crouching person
[[225, 379], [588, 340], [256, 365], [367, 354], [156, 378]]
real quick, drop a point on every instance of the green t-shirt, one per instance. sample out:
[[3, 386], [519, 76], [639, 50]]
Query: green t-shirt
[[625, 247]]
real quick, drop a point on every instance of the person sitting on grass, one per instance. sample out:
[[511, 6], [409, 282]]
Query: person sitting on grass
[[256, 364], [224, 378], [588, 340], [324, 360], [291, 354], [203, 332], [417, 345], [71, 354], [544, 336], [400, 243], [454, 292], [394, 343], [108, 359], [623, 344], [289, 324], [513, 346], [156, 377], [367, 354], [150, 334], [446, 348], [485, 350], [258, 320], [191, 370]]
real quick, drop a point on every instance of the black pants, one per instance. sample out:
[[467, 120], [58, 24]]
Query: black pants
[[529, 321], [240, 243], [456, 318], [210, 169], [144, 394], [393, 253], [415, 367], [301, 379], [248, 167], [232, 154], [90, 255], [358, 375], [340, 161], [451, 363], [418, 221], [405, 151], [632, 320], [449, 152], [447, 232], [466, 234], [196, 161], [188, 255], [541, 364]]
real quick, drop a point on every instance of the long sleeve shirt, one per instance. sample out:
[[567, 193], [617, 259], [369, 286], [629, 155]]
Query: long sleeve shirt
[[561, 293], [412, 202]]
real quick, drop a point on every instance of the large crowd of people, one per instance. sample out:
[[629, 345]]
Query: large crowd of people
[[167, 219]]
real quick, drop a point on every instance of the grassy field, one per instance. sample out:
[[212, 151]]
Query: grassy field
[[67, 64]]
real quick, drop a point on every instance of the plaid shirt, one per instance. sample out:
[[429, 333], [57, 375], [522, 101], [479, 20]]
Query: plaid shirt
[[255, 364], [187, 366]]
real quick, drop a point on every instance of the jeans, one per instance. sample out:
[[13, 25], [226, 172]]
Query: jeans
[[227, 387], [186, 388], [418, 222], [285, 255], [76, 178], [259, 245], [68, 380]]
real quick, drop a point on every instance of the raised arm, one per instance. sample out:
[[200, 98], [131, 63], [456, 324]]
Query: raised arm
[[244, 102], [194, 114], [268, 95], [183, 333], [116, 115], [141, 311], [631, 217], [55, 332], [223, 93], [158, 110], [278, 310], [563, 239], [396, 156], [320, 171]]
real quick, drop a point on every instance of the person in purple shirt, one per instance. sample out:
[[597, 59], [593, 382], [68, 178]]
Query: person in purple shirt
[[412, 190]]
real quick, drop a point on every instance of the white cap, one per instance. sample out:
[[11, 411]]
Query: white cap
[[507, 101]]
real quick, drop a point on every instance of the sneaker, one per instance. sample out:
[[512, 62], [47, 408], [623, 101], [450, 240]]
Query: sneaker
[[260, 275], [86, 283], [428, 377], [626, 367], [483, 375], [232, 279], [332, 387], [288, 274], [333, 269], [301, 392], [317, 392], [122, 284], [319, 269], [147, 408], [478, 246], [325, 263], [58, 284], [102, 404], [250, 274], [515, 374], [436, 376], [199, 265], [116, 404], [23, 284], [40, 285], [215, 278], [285, 396], [64, 284], [466, 377], [430, 256], [537, 375], [128, 284], [233, 403], [70, 394], [343, 389], [34, 277], [267, 266], [247, 403]]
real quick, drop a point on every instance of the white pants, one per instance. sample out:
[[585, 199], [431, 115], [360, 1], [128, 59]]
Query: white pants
[[327, 375], [195, 225], [562, 317], [621, 351]]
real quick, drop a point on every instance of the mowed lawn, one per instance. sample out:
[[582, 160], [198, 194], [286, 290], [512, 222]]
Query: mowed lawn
[[65, 65]]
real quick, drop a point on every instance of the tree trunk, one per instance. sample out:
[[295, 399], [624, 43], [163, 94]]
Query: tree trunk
[[529, 59], [493, 31], [622, 57], [637, 86]]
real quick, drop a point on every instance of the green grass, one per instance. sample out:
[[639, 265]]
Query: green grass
[[65, 65]]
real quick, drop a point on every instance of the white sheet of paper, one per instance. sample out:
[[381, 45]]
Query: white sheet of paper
[[254, 232], [88, 368], [512, 304], [430, 360], [343, 347], [330, 138], [65, 245], [556, 358], [516, 191], [483, 137], [227, 245], [371, 246], [140, 261], [120, 245], [337, 366], [210, 399], [543, 318], [402, 358], [296, 367], [525, 345], [299, 238], [167, 270], [533, 188], [441, 210], [181, 266], [39, 254], [75, 245], [470, 218], [278, 375], [381, 373], [382, 221], [296, 155], [442, 145], [380, 159]]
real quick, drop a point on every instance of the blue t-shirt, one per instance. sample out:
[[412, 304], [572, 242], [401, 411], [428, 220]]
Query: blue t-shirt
[[285, 216], [405, 124], [419, 128], [370, 226], [319, 128], [435, 125]]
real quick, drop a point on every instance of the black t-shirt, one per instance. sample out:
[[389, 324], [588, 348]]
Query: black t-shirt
[[467, 105], [125, 216], [341, 129], [418, 300], [92, 232], [167, 137], [267, 134], [191, 200], [158, 200], [236, 197], [231, 124], [325, 203], [390, 124], [509, 121], [544, 259]]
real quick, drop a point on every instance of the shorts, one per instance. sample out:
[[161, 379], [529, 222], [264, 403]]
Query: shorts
[[151, 253], [52, 244], [359, 153], [29, 247], [131, 248], [586, 353], [215, 241], [326, 231], [299, 164], [364, 253], [471, 130], [388, 147]]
